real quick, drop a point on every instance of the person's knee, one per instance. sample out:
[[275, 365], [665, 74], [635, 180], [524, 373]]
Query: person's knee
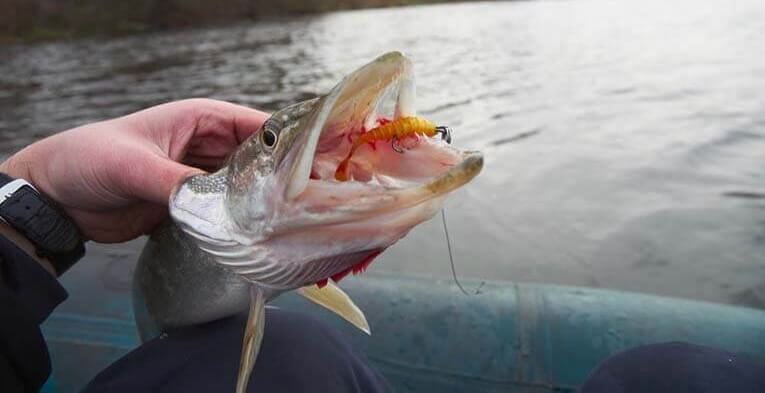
[[306, 354], [676, 367], [298, 354]]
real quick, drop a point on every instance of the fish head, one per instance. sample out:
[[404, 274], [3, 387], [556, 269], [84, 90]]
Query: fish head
[[277, 215]]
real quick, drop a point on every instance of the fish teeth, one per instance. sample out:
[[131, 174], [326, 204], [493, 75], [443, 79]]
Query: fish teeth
[[373, 117], [405, 104], [371, 121]]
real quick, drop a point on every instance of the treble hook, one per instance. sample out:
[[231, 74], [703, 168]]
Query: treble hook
[[394, 145], [446, 133]]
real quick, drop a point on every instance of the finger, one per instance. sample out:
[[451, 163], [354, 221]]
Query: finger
[[246, 120], [206, 126], [209, 164], [216, 145], [119, 225], [243, 121], [155, 177]]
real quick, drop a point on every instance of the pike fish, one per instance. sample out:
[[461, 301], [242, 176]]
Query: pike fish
[[274, 218]]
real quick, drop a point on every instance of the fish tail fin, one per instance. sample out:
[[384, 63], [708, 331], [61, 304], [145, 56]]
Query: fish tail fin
[[253, 336], [334, 299]]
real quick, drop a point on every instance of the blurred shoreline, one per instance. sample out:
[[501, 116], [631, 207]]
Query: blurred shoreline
[[24, 21]]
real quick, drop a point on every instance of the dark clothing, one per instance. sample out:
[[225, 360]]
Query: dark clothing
[[298, 353], [28, 294], [676, 368]]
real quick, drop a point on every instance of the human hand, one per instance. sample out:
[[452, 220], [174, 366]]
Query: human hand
[[114, 177]]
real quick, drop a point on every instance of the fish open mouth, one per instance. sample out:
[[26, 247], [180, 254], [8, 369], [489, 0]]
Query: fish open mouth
[[383, 172], [310, 201]]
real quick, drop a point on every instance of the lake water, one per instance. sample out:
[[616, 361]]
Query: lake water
[[624, 140]]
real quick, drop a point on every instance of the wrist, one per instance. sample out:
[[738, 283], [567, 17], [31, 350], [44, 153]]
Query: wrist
[[25, 245], [15, 167], [34, 223]]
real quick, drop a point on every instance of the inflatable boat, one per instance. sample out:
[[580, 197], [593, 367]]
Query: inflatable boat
[[427, 336]]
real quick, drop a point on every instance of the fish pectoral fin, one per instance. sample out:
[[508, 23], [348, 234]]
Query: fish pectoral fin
[[334, 299], [253, 336]]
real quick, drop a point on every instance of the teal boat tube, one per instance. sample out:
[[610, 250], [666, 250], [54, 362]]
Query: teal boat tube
[[428, 336]]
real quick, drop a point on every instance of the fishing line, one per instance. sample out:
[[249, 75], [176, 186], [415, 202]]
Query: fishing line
[[451, 259]]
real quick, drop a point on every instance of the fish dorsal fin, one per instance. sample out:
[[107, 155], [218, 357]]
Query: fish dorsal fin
[[334, 299]]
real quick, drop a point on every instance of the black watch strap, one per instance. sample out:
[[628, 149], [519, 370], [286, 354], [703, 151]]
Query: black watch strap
[[52, 232]]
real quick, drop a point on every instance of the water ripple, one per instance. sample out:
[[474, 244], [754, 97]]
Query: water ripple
[[636, 110]]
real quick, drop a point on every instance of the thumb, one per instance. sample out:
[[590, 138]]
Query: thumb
[[159, 177]]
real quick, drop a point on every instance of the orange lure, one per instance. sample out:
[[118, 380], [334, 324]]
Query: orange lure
[[395, 130]]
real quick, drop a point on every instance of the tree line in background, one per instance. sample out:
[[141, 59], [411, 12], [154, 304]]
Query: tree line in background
[[30, 20]]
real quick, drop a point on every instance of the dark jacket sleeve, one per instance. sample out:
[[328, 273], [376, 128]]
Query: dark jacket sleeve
[[28, 294]]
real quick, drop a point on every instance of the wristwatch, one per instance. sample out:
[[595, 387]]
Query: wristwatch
[[42, 222]]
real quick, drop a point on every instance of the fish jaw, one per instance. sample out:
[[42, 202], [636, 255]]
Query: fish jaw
[[353, 102], [281, 219], [384, 180]]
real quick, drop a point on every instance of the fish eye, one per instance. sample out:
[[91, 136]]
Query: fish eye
[[269, 138]]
